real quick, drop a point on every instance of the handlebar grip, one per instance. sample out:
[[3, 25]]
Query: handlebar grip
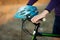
[[43, 19]]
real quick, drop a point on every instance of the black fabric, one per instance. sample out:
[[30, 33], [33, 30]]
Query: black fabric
[[31, 2], [56, 27]]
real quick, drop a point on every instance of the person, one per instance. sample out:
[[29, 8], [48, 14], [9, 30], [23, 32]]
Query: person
[[54, 4]]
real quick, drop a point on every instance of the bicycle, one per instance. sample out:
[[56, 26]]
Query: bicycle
[[36, 33], [28, 16]]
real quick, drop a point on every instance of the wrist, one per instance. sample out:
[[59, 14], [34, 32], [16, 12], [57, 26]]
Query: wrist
[[45, 12]]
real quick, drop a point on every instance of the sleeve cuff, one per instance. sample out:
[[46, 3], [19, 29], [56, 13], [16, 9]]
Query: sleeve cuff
[[47, 10], [30, 4]]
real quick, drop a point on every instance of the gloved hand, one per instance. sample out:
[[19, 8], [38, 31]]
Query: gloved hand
[[26, 11]]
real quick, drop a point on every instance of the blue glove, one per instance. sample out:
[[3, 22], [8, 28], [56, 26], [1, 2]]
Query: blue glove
[[25, 12]]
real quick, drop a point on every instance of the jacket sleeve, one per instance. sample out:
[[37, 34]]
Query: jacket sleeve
[[31, 2], [51, 5]]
